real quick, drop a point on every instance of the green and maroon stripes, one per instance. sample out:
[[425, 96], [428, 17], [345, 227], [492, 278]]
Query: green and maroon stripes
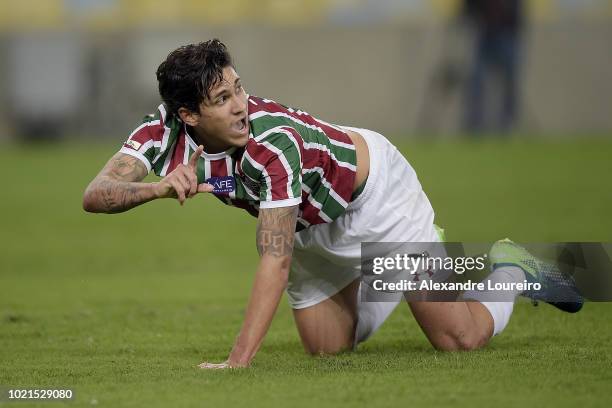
[[326, 157], [291, 158]]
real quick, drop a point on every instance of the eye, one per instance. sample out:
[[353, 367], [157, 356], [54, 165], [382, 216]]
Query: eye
[[221, 100]]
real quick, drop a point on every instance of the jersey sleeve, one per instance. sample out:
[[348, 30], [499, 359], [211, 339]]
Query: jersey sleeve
[[144, 142], [276, 163]]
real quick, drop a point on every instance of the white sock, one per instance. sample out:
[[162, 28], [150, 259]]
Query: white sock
[[500, 305]]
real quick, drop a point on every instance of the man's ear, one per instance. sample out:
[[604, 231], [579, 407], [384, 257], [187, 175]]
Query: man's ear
[[189, 117]]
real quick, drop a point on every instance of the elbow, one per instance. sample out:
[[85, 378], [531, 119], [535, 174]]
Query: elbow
[[285, 268], [90, 203], [275, 268], [284, 277], [88, 207], [281, 275]]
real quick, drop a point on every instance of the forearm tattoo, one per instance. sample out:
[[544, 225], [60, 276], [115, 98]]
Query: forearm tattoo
[[119, 196], [275, 231], [115, 189]]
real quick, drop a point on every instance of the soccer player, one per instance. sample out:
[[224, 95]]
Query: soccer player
[[318, 190]]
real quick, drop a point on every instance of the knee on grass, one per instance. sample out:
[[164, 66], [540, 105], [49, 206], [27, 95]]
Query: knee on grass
[[458, 341], [327, 349]]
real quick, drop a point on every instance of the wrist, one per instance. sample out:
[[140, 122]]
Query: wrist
[[239, 358], [157, 190], [236, 364]]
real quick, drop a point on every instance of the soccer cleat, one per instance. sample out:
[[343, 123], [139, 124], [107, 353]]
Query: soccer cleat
[[558, 289]]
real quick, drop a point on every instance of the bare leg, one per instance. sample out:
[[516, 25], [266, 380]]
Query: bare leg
[[454, 325], [329, 327]]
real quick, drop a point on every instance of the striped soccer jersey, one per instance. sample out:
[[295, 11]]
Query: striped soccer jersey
[[291, 158]]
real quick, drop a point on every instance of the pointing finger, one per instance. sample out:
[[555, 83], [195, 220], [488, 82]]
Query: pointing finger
[[193, 160]]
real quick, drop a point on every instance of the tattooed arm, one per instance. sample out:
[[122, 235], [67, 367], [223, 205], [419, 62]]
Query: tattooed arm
[[117, 187], [275, 233]]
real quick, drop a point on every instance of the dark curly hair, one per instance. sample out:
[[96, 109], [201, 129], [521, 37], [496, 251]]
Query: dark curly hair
[[190, 72]]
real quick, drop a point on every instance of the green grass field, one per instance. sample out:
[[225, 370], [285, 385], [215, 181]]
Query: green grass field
[[122, 308]]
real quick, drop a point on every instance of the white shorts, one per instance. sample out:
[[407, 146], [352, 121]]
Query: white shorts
[[391, 208]]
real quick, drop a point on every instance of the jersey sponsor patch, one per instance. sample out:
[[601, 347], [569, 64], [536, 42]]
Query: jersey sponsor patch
[[225, 184], [133, 144]]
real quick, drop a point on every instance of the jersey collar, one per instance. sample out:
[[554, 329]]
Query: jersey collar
[[209, 156]]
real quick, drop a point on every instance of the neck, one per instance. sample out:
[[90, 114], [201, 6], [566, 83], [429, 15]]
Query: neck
[[209, 143]]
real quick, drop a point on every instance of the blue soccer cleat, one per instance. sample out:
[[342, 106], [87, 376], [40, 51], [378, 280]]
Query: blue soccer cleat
[[557, 288]]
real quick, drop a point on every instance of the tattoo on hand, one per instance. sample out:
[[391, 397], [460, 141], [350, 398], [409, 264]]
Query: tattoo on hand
[[275, 231]]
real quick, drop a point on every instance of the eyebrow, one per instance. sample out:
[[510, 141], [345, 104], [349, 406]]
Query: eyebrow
[[224, 89]]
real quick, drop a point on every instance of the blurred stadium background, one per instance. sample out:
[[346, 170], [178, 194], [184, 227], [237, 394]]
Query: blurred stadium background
[[86, 68]]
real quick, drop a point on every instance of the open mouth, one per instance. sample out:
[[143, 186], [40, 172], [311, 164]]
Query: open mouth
[[241, 125]]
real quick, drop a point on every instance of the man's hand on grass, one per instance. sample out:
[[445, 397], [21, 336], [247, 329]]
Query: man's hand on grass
[[220, 366]]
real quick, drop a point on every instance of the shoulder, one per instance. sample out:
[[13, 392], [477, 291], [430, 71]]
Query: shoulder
[[152, 128], [272, 126], [266, 115], [283, 142], [156, 127], [153, 136]]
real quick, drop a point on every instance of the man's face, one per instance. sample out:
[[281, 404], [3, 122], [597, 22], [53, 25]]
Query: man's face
[[222, 121]]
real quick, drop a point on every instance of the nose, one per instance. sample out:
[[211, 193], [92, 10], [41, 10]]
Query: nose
[[240, 104]]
